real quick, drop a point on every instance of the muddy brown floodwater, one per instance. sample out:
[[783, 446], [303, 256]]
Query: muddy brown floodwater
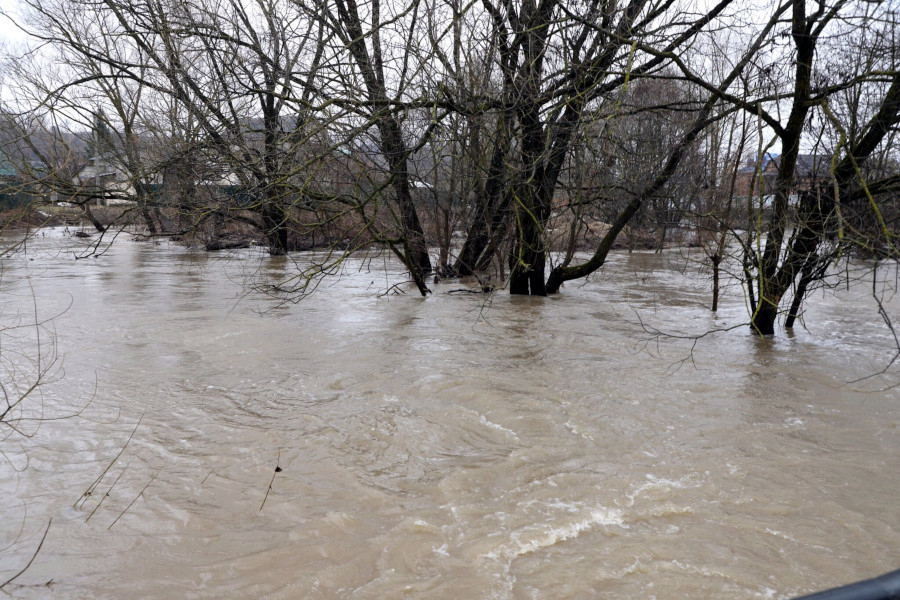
[[450, 447]]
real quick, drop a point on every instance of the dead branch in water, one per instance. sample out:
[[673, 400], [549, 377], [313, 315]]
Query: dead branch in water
[[141, 493], [33, 556], [277, 471], [485, 289], [395, 289]]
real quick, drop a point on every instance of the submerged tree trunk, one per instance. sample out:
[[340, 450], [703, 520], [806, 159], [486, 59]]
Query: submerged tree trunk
[[370, 62], [799, 294], [715, 259], [800, 251], [87, 212], [142, 195], [491, 211], [763, 321], [148, 221], [529, 254], [529, 258], [275, 221]]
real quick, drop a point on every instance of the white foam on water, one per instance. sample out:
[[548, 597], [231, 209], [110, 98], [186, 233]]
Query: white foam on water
[[484, 421], [780, 534], [536, 537], [656, 484], [574, 429]]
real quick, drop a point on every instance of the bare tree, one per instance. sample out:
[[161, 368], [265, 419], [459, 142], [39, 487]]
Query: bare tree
[[804, 217]]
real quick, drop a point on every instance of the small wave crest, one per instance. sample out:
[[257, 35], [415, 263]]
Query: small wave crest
[[537, 537]]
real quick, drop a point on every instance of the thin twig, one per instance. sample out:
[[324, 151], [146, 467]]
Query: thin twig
[[277, 471], [33, 556], [141, 493]]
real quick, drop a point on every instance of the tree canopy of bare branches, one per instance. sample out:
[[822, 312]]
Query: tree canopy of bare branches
[[501, 132]]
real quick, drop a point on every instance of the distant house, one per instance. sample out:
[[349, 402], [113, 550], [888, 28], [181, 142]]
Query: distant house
[[104, 182], [759, 179]]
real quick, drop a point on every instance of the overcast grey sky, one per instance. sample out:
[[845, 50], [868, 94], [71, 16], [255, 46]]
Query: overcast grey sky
[[8, 31]]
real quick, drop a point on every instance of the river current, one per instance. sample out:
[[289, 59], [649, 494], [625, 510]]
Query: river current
[[458, 446]]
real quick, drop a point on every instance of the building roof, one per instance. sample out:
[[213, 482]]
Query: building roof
[[808, 165]]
